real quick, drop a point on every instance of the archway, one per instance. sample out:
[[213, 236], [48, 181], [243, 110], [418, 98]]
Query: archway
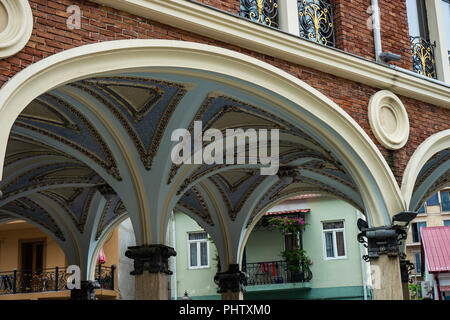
[[124, 98]]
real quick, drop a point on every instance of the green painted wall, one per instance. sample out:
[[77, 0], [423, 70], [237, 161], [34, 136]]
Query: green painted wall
[[339, 278], [197, 282], [338, 272]]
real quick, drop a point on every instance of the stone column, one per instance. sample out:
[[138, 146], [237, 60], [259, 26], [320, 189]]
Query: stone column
[[231, 283], [151, 271], [405, 267], [384, 257], [86, 291]]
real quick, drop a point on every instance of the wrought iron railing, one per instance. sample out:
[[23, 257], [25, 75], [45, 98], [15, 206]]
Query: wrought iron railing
[[49, 279], [273, 272], [423, 57], [105, 276], [261, 11], [27, 281], [316, 21]]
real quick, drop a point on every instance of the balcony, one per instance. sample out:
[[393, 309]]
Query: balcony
[[423, 57], [49, 283], [261, 11], [316, 21], [274, 272]]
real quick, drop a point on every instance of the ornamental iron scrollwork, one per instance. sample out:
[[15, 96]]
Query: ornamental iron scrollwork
[[423, 57], [261, 11], [382, 240], [316, 21]]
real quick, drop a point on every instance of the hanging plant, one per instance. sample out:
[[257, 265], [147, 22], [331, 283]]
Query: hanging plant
[[296, 259], [288, 225]]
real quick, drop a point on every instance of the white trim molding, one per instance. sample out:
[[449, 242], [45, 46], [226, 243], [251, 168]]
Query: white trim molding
[[388, 119], [18, 28], [228, 28]]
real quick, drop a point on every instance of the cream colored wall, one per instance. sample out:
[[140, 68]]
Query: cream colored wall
[[9, 246], [12, 233]]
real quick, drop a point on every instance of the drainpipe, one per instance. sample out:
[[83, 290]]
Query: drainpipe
[[174, 275], [436, 278], [376, 29], [363, 269]]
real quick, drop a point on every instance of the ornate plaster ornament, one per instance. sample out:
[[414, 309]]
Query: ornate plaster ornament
[[388, 119], [16, 26]]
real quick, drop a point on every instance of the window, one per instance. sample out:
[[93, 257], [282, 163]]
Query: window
[[417, 262], [198, 250], [334, 240], [445, 199], [416, 230], [434, 200], [421, 209], [446, 223], [421, 48], [417, 19], [446, 14]]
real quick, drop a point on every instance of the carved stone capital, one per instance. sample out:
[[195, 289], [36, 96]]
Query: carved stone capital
[[231, 280], [86, 291], [153, 258]]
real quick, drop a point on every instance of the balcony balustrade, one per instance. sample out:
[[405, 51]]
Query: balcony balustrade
[[423, 57], [261, 11], [274, 272], [316, 21], [49, 279]]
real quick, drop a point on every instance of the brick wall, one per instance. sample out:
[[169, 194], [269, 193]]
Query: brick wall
[[51, 35]]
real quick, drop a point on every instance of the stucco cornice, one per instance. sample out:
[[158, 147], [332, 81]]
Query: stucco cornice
[[234, 30]]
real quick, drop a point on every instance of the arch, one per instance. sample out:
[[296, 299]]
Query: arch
[[426, 150], [374, 179]]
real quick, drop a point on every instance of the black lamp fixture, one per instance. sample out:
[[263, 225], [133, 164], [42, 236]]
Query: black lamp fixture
[[186, 297]]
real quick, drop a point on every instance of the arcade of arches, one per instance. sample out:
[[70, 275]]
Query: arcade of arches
[[85, 141]]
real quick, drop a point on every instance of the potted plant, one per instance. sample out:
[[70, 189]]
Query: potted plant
[[296, 259]]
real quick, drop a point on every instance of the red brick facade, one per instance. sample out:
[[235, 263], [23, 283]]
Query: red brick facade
[[51, 35]]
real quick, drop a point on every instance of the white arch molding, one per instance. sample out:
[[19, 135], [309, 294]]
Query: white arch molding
[[305, 104], [433, 144]]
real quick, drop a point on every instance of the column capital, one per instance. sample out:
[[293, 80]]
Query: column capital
[[153, 258], [382, 240], [86, 291], [231, 280]]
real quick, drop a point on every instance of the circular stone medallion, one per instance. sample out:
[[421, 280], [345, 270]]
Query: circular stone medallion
[[388, 119]]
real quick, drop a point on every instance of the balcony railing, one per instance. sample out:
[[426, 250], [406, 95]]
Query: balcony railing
[[423, 57], [273, 272], [261, 11], [316, 21], [50, 279]]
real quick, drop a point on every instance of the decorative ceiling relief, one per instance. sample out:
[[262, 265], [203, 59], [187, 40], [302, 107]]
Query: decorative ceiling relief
[[75, 202], [193, 201], [47, 175], [235, 188], [57, 119], [388, 119], [142, 106], [113, 209], [30, 209]]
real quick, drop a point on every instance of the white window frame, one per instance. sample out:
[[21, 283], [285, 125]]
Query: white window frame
[[198, 251], [324, 243]]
